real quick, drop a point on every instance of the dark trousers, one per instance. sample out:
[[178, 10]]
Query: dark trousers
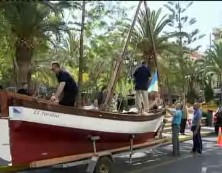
[[197, 141], [175, 139], [183, 126], [69, 98]]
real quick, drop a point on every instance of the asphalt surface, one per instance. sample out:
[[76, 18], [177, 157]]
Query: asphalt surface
[[147, 160]]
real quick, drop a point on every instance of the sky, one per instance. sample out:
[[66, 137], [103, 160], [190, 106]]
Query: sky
[[207, 13]]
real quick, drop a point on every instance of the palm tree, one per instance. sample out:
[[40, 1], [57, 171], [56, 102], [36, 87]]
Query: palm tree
[[29, 24], [212, 63], [150, 23], [65, 53], [70, 49]]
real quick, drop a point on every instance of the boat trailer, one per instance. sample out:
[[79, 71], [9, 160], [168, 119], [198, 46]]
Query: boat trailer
[[97, 162]]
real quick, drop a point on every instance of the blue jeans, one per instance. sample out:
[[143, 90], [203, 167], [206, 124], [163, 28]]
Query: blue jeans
[[175, 139]]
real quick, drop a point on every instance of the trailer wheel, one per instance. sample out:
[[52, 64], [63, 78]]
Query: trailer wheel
[[104, 165]]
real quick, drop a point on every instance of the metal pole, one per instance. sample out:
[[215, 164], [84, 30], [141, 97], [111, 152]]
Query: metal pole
[[131, 149]]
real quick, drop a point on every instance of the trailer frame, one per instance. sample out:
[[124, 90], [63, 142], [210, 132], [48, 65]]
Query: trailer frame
[[97, 162]]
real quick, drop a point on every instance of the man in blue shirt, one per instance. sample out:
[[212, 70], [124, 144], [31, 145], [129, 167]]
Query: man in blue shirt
[[176, 121], [68, 90], [196, 126], [141, 77]]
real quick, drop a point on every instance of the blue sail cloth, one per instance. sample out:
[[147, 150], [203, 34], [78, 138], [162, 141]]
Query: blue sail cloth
[[154, 83]]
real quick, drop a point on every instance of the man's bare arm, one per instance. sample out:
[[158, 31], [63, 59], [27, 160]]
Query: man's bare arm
[[60, 89], [169, 111]]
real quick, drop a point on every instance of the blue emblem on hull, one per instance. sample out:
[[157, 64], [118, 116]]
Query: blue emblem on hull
[[16, 111]]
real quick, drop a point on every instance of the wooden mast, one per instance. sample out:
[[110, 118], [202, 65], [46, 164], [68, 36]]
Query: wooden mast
[[154, 49], [119, 62], [152, 39]]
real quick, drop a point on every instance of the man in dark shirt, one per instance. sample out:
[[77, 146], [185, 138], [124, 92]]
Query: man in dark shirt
[[101, 96], [67, 91], [24, 90], [141, 76]]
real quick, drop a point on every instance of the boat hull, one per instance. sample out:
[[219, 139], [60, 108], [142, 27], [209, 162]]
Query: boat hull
[[42, 130], [32, 141]]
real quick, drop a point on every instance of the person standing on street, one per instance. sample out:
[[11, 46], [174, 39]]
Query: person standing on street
[[176, 121], [67, 91], [195, 128], [141, 77], [184, 119], [189, 114]]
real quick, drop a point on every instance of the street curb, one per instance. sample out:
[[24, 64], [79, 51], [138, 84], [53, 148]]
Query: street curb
[[168, 139], [191, 137]]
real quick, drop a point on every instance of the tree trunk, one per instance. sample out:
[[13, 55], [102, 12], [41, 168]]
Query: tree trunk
[[24, 53], [81, 60], [14, 71], [169, 92]]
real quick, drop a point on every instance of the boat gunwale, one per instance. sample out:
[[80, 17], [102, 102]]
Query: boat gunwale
[[33, 103]]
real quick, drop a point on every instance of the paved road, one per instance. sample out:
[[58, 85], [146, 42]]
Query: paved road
[[161, 162], [148, 160]]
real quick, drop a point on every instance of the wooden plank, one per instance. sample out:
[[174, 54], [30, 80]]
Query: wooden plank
[[66, 159], [4, 104], [54, 161], [4, 118]]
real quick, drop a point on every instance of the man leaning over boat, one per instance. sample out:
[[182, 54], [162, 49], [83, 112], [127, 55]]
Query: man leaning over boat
[[67, 91]]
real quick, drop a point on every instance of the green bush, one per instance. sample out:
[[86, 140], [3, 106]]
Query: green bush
[[209, 93]]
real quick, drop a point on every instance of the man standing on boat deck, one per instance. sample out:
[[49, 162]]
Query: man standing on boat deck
[[141, 77], [68, 90]]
